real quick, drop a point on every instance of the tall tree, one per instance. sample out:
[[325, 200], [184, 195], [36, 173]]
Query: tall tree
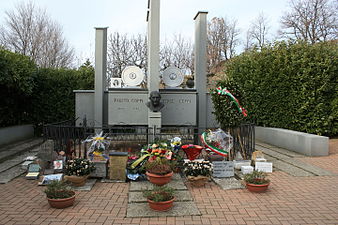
[[222, 40], [30, 31], [179, 53], [258, 30], [311, 20], [125, 51]]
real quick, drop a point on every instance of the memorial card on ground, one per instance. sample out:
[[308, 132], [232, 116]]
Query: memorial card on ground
[[223, 169], [264, 166]]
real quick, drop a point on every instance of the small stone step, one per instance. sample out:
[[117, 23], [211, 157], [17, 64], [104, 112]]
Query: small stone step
[[10, 151], [10, 174], [283, 151], [179, 209], [310, 168], [137, 197], [228, 183], [288, 168], [146, 185], [17, 160], [268, 151]]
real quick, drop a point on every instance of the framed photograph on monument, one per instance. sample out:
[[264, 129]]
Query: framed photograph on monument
[[115, 82]]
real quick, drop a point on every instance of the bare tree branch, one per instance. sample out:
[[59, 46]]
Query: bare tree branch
[[311, 20], [258, 30], [222, 40], [31, 32]]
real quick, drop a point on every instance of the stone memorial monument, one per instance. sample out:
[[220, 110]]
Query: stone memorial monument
[[151, 107]]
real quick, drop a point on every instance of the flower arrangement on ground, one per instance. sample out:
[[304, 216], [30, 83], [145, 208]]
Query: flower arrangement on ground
[[79, 167], [78, 170], [98, 147], [157, 150], [217, 141], [198, 172]]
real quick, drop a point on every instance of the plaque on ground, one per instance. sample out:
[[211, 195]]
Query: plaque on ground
[[223, 169]]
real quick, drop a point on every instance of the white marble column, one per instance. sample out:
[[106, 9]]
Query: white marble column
[[100, 74], [200, 67]]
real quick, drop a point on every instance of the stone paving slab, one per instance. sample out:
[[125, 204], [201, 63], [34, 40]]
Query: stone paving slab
[[272, 153], [87, 187], [228, 183], [288, 168], [8, 151], [16, 160], [179, 209], [310, 168], [137, 197], [293, 166], [280, 150], [145, 185], [10, 174]]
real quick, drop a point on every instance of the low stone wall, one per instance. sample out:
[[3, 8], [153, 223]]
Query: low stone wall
[[304, 143], [16, 133]]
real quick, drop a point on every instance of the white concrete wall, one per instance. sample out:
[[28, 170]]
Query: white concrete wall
[[304, 143], [16, 133]]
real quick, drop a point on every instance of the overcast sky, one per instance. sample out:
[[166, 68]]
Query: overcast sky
[[79, 17]]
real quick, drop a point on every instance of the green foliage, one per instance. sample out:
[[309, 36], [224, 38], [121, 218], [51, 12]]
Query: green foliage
[[159, 166], [17, 75], [290, 85], [32, 95], [226, 111], [54, 93], [256, 177], [159, 194], [58, 190]]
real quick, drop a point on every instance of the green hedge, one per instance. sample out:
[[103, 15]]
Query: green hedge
[[17, 81], [32, 95], [290, 85], [53, 99], [226, 112]]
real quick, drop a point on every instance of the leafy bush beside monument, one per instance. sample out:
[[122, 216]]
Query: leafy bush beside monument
[[288, 85], [38, 95]]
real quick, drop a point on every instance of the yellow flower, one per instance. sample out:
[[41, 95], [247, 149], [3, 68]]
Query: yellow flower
[[98, 138]]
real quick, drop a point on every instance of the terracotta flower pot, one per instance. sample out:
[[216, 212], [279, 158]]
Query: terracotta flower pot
[[161, 206], [77, 181], [159, 180], [257, 187], [61, 203], [198, 181]]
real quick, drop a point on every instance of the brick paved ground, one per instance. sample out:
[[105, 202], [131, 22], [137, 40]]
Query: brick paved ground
[[289, 200]]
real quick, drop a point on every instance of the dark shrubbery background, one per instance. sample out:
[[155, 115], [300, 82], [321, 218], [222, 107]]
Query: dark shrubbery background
[[33, 95], [288, 85]]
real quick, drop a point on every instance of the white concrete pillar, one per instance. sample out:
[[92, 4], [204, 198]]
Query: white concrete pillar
[[153, 78], [100, 74], [153, 45], [200, 67]]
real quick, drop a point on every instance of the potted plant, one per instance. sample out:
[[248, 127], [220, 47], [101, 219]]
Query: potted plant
[[256, 181], [160, 198], [159, 171], [59, 194], [78, 170], [198, 172]]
